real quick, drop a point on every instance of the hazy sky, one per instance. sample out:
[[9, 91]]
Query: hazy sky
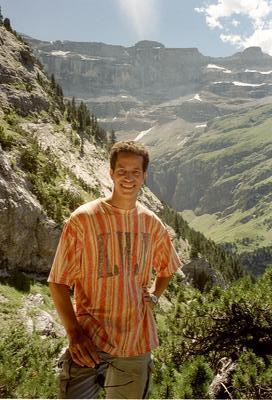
[[215, 27]]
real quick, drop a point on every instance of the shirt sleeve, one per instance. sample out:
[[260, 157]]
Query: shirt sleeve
[[66, 265], [166, 260]]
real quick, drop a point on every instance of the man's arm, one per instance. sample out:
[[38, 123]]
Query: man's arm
[[158, 287], [81, 346]]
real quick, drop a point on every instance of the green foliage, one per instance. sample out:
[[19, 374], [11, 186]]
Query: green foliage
[[194, 379], [30, 159], [112, 139], [86, 125], [201, 329], [7, 24], [19, 281], [43, 171], [27, 366], [12, 118], [57, 96], [240, 318], [189, 381], [253, 377], [6, 140], [1, 17], [225, 263], [163, 381]]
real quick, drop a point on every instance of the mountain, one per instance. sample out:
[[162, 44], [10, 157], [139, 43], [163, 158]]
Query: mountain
[[206, 121], [135, 88], [222, 173]]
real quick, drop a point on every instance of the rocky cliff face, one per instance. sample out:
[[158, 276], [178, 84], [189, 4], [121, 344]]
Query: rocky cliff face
[[134, 88]]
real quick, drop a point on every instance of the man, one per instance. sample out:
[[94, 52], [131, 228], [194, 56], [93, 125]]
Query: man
[[106, 252]]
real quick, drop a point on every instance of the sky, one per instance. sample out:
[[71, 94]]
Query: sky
[[215, 27]]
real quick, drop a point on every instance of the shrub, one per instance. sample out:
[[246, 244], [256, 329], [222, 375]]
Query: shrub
[[12, 119], [6, 140], [253, 377], [20, 281], [194, 380], [29, 159], [27, 364]]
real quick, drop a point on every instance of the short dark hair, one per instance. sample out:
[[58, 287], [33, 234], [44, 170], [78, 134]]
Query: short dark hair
[[129, 146]]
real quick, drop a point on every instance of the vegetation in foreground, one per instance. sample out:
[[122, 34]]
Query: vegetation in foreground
[[27, 360], [198, 333], [203, 331]]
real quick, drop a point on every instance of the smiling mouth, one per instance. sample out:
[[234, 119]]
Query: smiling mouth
[[128, 186]]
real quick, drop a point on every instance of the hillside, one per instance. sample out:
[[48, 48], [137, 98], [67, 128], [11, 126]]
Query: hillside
[[222, 173]]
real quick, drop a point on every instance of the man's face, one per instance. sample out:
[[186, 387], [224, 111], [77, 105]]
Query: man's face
[[128, 175]]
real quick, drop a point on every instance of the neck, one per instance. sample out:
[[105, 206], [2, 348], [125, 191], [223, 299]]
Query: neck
[[124, 204]]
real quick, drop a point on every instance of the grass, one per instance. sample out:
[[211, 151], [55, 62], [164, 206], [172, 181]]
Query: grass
[[242, 228]]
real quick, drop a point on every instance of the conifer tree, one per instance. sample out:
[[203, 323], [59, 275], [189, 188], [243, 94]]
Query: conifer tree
[[1, 17], [53, 82], [73, 108], [7, 24], [112, 139]]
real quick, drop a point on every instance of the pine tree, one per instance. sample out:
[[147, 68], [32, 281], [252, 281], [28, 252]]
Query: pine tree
[[73, 108], [112, 139], [1, 17], [7, 24], [53, 82], [177, 226]]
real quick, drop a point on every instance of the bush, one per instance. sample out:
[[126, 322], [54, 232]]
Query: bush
[[12, 119], [6, 140], [194, 380], [29, 159], [253, 377], [20, 281], [27, 364]]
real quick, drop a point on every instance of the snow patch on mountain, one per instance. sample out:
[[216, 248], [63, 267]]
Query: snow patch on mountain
[[60, 53], [142, 134], [236, 83], [259, 72], [197, 97], [183, 141], [223, 69]]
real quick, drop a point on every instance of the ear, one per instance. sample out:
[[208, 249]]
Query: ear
[[111, 173]]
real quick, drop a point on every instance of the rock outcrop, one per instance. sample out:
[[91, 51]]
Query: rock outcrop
[[124, 85], [19, 71]]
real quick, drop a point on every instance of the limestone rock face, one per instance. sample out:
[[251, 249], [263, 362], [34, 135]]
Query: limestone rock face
[[107, 77], [18, 76], [145, 70], [28, 237]]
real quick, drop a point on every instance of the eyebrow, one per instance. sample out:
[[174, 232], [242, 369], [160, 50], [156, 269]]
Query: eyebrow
[[121, 167]]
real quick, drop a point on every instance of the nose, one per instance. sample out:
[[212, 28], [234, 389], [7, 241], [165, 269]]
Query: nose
[[129, 176]]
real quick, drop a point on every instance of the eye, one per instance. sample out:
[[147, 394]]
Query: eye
[[137, 173], [120, 171]]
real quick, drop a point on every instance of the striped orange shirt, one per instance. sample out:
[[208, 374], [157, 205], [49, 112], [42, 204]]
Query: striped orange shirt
[[107, 254]]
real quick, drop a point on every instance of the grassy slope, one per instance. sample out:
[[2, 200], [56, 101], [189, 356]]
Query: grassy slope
[[240, 145]]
